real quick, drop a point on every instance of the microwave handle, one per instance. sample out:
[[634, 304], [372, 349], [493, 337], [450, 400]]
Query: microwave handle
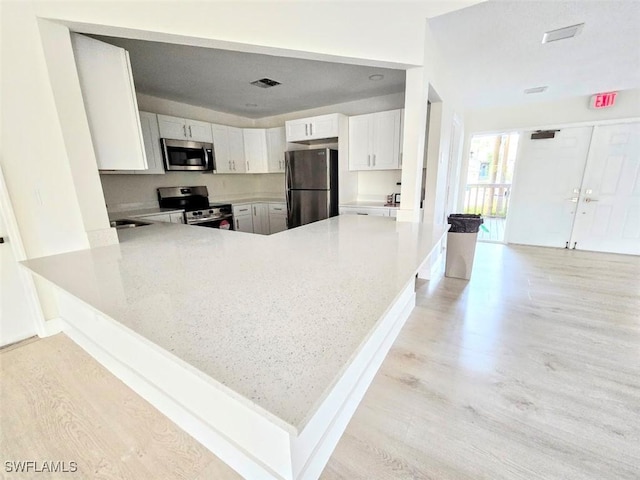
[[209, 159]]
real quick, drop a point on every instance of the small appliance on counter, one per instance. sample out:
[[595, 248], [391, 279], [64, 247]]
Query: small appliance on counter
[[393, 199], [198, 210], [312, 185]]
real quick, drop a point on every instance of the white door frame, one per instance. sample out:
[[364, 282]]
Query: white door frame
[[16, 245]]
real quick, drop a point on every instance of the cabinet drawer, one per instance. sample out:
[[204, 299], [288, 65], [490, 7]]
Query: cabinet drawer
[[277, 209], [241, 210]]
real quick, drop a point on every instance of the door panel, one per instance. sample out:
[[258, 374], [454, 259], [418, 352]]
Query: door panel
[[547, 182], [308, 170], [608, 218], [306, 206]]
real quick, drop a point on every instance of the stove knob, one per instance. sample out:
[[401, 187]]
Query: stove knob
[[210, 211]]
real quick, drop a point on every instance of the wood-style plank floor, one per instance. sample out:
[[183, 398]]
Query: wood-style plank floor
[[529, 371]]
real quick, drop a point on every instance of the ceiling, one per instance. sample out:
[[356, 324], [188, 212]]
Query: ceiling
[[221, 79], [495, 49]]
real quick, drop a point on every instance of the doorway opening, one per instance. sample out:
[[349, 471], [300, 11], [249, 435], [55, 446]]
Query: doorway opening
[[489, 177]]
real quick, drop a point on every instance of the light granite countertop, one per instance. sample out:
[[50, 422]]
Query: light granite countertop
[[141, 212], [276, 318]]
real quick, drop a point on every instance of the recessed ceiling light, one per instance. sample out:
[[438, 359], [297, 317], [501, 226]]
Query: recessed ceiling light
[[562, 33], [265, 83], [375, 78], [535, 90]]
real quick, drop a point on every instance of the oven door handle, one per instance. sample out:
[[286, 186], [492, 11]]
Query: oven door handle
[[211, 219]]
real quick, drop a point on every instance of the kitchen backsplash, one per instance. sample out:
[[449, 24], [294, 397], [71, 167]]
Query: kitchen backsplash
[[139, 191]]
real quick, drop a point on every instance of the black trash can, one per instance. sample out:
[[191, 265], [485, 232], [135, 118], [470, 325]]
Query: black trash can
[[461, 244]]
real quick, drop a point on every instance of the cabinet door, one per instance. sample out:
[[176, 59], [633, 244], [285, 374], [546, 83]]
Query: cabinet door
[[276, 145], [297, 130], [172, 127], [199, 131], [255, 150], [151, 137], [386, 140], [360, 142], [111, 106], [220, 134], [243, 223], [260, 218], [176, 218], [324, 126], [277, 223], [236, 150]]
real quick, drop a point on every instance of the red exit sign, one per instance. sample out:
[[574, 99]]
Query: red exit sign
[[603, 100]]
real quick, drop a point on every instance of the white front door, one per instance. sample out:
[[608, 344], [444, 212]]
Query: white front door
[[546, 186], [16, 317], [608, 217]]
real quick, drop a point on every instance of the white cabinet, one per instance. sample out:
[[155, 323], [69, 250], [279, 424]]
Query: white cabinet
[[374, 141], [260, 218], [276, 146], [228, 147], [110, 102], [184, 129], [243, 218], [151, 137], [277, 217], [255, 151], [313, 128], [373, 211]]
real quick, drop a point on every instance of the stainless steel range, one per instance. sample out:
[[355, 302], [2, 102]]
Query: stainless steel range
[[198, 210]]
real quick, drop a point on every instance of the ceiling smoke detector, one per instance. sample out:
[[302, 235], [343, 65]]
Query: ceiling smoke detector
[[265, 83], [562, 33], [535, 90]]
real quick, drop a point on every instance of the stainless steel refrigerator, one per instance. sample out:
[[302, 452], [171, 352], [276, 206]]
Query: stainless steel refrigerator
[[312, 185]]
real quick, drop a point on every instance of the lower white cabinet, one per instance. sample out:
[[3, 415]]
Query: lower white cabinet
[[261, 218], [243, 218], [374, 211], [277, 217]]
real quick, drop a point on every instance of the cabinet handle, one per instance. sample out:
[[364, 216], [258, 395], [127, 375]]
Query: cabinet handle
[[374, 159], [254, 210], [311, 128], [190, 134], [400, 158], [244, 210], [277, 209], [247, 162], [368, 160], [306, 129], [184, 129], [234, 165], [229, 165], [237, 224]]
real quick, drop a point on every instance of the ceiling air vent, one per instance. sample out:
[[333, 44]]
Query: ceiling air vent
[[535, 90], [265, 83]]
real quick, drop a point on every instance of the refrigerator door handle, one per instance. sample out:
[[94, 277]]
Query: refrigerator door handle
[[287, 169]]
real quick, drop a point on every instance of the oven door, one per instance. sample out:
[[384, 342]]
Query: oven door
[[182, 155], [223, 223]]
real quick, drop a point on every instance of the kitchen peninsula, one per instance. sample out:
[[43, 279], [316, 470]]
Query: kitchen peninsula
[[261, 347]]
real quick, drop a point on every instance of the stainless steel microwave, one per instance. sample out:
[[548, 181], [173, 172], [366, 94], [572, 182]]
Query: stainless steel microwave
[[185, 155]]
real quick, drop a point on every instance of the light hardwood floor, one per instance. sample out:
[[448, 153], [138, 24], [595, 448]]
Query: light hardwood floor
[[529, 371]]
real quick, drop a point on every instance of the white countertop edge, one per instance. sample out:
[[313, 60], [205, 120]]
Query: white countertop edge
[[190, 368]]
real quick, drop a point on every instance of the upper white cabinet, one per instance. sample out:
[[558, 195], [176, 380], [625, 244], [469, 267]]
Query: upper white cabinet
[[151, 137], [313, 128], [110, 101], [177, 128], [264, 149], [374, 141], [276, 146], [228, 148], [255, 151]]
